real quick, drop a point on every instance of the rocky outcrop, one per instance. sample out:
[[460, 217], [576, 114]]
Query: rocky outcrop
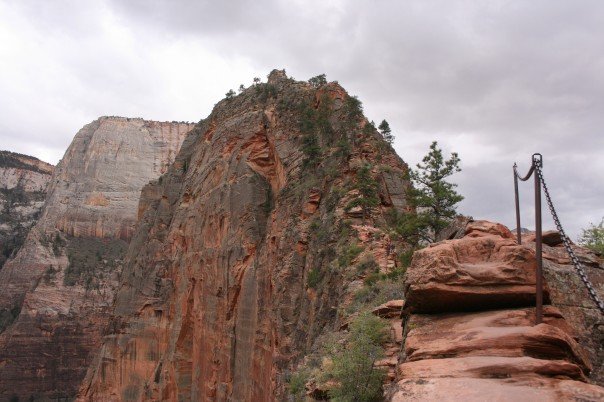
[[23, 182], [484, 269], [568, 293], [497, 353], [59, 287], [234, 270]]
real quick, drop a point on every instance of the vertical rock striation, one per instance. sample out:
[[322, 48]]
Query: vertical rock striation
[[23, 182], [58, 289], [233, 271]]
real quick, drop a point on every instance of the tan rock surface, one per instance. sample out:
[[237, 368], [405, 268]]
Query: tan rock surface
[[23, 182], [63, 280]]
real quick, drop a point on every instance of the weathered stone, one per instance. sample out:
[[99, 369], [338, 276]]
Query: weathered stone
[[63, 279], [390, 309], [505, 333], [489, 355], [473, 389], [484, 269], [23, 182]]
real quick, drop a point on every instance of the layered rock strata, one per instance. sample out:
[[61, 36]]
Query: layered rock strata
[[23, 182], [59, 287], [234, 272], [495, 354]]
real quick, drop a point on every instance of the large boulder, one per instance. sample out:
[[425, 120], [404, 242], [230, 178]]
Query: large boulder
[[485, 269]]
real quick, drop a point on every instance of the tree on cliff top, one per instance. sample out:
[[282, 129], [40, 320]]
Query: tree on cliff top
[[432, 196], [384, 128], [593, 237]]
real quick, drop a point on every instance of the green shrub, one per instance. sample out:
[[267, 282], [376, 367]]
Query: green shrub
[[348, 254], [318, 81], [297, 382], [406, 257], [353, 370], [368, 264], [314, 277]]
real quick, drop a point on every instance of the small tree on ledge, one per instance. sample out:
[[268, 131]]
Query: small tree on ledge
[[384, 128], [229, 95], [368, 190], [434, 198]]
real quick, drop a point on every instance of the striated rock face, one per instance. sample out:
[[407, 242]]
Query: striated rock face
[[56, 292], [233, 271], [500, 354], [23, 182], [96, 188]]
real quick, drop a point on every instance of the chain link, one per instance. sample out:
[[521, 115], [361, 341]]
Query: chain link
[[578, 266]]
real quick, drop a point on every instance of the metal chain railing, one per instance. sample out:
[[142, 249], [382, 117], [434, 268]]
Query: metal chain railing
[[566, 241]]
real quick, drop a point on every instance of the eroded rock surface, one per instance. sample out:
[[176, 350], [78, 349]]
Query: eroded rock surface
[[484, 269], [234, 270], [497, 354], [23, 182], [59, 287]]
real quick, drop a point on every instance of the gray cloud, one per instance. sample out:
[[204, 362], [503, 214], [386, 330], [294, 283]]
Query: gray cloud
[[495, 80]]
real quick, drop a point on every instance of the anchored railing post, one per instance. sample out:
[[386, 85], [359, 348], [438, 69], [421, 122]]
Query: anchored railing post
[[536, 162], [518, 230], [538, 247]]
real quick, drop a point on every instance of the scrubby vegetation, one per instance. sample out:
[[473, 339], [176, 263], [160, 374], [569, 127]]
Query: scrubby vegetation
[[346, 363], [91, 259], [593, 237], [8, 316]]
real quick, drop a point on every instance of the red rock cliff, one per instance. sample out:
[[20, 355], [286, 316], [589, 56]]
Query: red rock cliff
[[234, 271]]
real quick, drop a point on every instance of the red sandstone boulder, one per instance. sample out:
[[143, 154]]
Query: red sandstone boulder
[[485, 269], [390, 309]]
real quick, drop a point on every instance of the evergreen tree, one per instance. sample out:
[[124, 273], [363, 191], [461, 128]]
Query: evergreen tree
[[229, 95], [318, 81], [368, 190], [434, 198], [241, 88], [384, 128]]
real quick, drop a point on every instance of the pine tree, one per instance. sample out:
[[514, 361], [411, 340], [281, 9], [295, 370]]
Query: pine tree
[[434, 198], [229, 95], [384, 128], [368, 190]]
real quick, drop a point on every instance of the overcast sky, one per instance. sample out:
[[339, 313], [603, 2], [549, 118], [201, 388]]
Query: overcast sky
[[493, 80]]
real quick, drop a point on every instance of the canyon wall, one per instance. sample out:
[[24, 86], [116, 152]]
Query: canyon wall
[[57, 290], [23, 182], [235, 268]]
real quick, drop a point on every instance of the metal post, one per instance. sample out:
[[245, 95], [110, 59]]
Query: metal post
[[518, 234], [538, 249]]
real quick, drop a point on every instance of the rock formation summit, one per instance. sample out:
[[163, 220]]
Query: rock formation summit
[[233, 272]]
